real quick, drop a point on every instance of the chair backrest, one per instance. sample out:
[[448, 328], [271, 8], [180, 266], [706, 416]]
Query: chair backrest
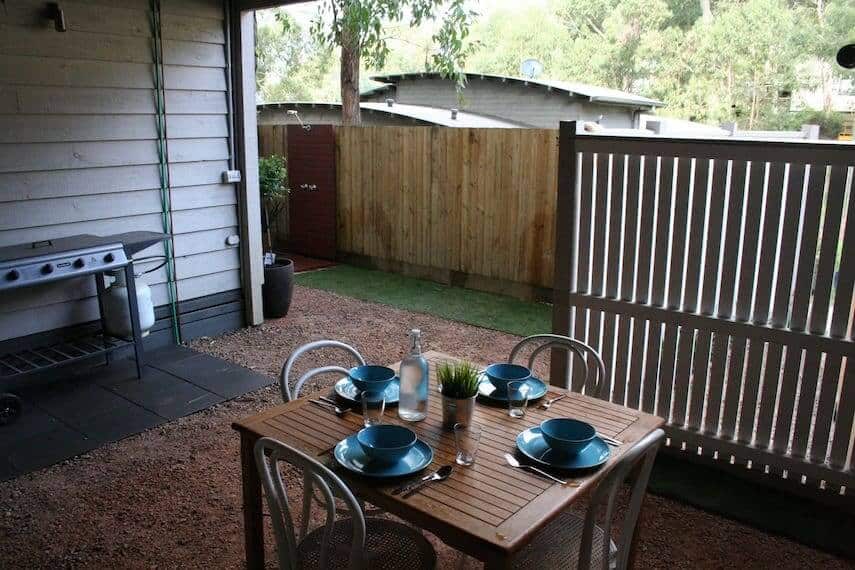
[[636, 462], [285, 376], [269, 453], [595, 371]]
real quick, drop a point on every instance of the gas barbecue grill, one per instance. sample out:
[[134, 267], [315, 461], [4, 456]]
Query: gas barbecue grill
[[31, 264]]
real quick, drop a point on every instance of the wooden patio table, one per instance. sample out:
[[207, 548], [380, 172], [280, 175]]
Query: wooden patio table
[[489, 510]]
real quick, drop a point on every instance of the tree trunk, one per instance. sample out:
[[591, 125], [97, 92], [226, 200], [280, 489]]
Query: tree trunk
[[706, 11], [350, 79]]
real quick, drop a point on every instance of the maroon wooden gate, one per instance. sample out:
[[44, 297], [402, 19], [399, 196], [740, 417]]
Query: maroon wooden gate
[[311, 173]]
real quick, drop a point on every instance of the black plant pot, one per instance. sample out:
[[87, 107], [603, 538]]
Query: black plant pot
[[278, 288]]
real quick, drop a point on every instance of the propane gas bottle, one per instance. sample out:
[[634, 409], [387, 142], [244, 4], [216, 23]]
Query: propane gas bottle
[[117, 319]]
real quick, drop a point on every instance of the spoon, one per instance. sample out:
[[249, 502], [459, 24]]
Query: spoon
[[512, 461], [440, 474], [547, 403]]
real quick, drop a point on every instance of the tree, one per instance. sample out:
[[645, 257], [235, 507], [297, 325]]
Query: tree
[[289, 63], [357, 28]]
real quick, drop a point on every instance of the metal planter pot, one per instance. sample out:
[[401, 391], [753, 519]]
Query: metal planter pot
[[278, 288], [457, 411]]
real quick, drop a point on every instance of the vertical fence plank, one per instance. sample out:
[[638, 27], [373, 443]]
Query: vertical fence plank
[[845, 416], [629, 284], [715, 397], [677, 263], [735, 368], [714, 241], [667, 368], [697, 238], [685, 345], [583, 253], [679, 233]]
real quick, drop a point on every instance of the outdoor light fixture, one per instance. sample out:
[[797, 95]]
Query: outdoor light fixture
[[296, 114]]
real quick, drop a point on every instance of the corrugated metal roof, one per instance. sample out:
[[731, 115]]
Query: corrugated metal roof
[[591, 92], [422, 113]]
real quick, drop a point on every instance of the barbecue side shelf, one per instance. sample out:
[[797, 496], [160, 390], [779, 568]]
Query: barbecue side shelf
[[34, 360]]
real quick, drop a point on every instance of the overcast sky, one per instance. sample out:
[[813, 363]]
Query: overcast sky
[[304, 12]]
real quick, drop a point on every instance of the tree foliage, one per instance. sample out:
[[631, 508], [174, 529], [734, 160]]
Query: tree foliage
[[708, 60]]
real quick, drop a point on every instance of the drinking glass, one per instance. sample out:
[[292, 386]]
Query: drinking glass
[[517, 399], [373, 406], [466, 440]]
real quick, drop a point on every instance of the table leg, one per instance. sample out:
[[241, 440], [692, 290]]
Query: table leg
[[253, 522]]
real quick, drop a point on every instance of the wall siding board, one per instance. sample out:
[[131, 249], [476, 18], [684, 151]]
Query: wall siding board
[[60, 156], [19, 129], [185, 102], [78, 144], [59, 183], [54, 71]]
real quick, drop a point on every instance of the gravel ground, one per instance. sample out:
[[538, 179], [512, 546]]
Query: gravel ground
[[170, 497]]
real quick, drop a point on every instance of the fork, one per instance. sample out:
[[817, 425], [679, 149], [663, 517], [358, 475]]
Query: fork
[[331, 407]]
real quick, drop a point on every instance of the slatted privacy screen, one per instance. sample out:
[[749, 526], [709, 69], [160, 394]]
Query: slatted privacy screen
[[716, 279]]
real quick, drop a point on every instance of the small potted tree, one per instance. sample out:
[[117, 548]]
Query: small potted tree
[[458, 384], [278, 288]]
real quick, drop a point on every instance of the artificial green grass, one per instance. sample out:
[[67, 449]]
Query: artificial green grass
[[454, 303]]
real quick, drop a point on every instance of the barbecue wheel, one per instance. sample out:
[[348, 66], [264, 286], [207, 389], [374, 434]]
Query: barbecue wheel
[[10, 408]]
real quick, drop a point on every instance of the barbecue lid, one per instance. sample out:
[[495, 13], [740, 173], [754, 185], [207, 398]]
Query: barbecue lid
[[133, 242]]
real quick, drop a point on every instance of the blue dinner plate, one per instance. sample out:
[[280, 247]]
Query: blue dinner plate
[[536, 389], [532, 445], [346, 389], [349, 454]]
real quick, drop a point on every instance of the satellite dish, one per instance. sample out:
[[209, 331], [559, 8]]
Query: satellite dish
[[531, 68]]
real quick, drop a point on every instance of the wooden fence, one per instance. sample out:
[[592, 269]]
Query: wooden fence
[[472, 203], [716, 279]]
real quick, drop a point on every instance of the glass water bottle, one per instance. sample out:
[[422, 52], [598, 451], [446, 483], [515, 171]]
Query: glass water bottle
[[413, 404]]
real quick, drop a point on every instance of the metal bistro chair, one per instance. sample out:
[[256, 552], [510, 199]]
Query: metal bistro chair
[[347, 543], [570, 541], [285, 376], [595, 370], [288, 395]]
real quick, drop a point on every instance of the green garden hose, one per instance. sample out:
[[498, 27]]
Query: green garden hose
[[163, 165]]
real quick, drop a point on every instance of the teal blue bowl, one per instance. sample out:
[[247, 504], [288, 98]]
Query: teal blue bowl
[[371, 378], [386, 443], [503, 373], [567, 436]]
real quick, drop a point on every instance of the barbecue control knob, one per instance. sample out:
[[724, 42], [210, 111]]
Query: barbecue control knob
[[47, 268], [109, 258], [79, 263], [13, 275]]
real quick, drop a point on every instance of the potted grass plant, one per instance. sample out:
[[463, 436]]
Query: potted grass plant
[[458, 384]]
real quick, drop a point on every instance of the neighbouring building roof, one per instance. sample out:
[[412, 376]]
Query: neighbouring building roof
[[420, 113], [592, 93]]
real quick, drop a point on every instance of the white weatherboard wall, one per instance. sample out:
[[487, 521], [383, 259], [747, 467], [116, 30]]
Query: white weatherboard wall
[[78, 149]]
